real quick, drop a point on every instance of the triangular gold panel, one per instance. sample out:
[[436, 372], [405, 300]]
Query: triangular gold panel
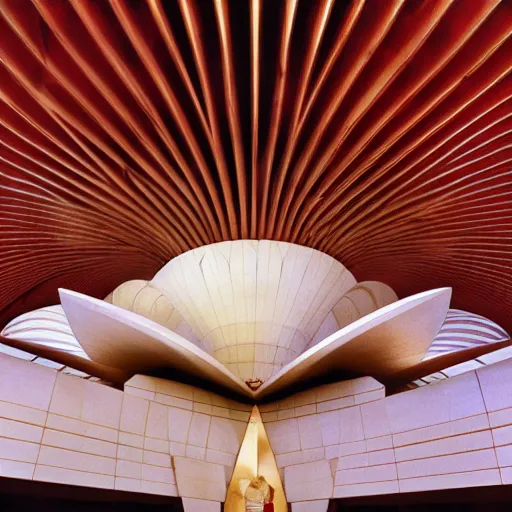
[[255, 458]]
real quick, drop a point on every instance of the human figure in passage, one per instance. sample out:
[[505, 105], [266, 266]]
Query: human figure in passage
[[258, 495]]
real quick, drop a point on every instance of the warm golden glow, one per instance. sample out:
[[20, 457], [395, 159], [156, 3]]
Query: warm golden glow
[[255, 458]]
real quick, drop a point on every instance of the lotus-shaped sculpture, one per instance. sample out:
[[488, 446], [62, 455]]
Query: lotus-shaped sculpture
[[255, 317]]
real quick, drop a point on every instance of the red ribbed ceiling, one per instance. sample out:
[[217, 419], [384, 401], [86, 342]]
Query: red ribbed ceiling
[[378, 132]]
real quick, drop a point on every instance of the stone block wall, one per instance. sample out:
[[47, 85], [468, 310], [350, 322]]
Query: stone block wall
[[339, 440], [456, 433], [158, 436]]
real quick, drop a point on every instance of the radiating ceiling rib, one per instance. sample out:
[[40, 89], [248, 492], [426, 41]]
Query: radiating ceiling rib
[[378, 132]]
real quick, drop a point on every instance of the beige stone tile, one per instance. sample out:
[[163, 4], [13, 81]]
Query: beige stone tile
[[239, 415], [370, 396], [496, 419], [158, 488], [79, 443], [269, 416], [156, 445], [375, 419], [305, 398], [310, 506], [502, 435], [452, 481], [173, 401], [366, 475], [304, 410], [68, 396], [313, 454], [172, 388], [458, 463], [285, 414], [67, 459], [193, 505], [157, 422], [134, 414], [506, 475], [129, 453], [220, 411], [379, 443], [102, 405], [141, 393], [21, 451], [204, 408], [283, 436], [22, 413], [448, 400], [310, 481], [329, 423], [22, 431], [70, 477], [335, 390], [351, 425], [496, 383], [289, 459], [24, 383], [352, 448], [199, 479], [199, 427], [179, 424], [202, 396], [338, 403], [16, 469], [447, 446], [157, 459], [365, 385], [195, 452], [217, 457], [129, 469], [264, 408], [374, 488], [359, 460], [81, 428], [226, 435], [141, 382], [449, 429], [504, 454], [158, 474], [131, 439], [127, 484], [381, 457], [332, 452], [177, 449], [309, 432]]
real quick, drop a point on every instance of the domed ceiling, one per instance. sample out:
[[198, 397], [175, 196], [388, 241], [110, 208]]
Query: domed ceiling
[[378, 132]]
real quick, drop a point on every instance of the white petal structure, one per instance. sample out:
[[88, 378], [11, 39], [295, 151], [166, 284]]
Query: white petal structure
[[382, 343], [143, 298], [255, 317], [47, 327], [116, 337], [46, 333], [361, 300], [465, 342], [462, 330], [255, 305]]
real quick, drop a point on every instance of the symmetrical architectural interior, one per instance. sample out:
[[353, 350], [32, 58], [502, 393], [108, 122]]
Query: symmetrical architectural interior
[[256, 253]]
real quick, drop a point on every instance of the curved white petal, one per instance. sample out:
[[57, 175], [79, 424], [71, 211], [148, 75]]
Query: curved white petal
[[364, 298], [462, 330], [122, 339], [256, 305], [143, 298], [382, 343], [46, 327]]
